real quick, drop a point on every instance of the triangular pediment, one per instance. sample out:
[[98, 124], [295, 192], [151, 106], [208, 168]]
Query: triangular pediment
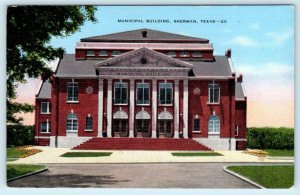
[[144, 58]]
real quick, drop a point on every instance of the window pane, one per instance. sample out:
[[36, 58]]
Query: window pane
[[44, 108], [44, 127], [216, 95], [124, 96], [196, 125], [146, 95], [89, 123], [123, 125], [162, 95], [169, 96]]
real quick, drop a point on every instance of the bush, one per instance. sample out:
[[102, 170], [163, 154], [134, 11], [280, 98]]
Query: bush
[[270, 138], [19, 135]]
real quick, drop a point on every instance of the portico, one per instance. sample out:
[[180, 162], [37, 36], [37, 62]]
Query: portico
[[143, 99]]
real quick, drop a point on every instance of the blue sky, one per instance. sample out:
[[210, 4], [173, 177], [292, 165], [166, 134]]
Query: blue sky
[[261, 39]]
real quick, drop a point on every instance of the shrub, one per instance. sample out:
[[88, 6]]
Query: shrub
[[18, 135], [270, 138]]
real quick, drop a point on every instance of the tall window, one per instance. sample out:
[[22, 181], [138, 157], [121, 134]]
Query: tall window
[[103, 53], [115, 53], [89, 123], [196, 125], [72, 122], [165, 93], [72, 91], [214, 93], [236, 132], [142, 95], [90, 53], [45, 127], [45, 107], [214, 124], [120, 93]]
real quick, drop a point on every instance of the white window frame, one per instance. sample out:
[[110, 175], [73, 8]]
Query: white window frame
[[144, 88], [236, 132], [91, 54], [48, 108], [106, 53], [159, 86], [88, 129], [184, 54], [196, 118], [213, 88], [48, 130], [72, 122], [117, 51], [216, 125], [171, 54], [120, 82], [199, 55], [72, 98]]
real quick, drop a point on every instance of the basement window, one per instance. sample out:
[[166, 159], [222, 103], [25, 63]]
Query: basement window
[[90, 53], [103, 53]]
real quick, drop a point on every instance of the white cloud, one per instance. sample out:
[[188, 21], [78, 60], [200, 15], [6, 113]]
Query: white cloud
[[268, 70], [254, 26], [280, 37], [244, 41]]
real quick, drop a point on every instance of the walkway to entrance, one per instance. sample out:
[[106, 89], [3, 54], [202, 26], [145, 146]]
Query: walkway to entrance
[[140, 144]]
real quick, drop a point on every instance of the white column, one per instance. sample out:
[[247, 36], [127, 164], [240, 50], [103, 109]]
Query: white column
[[109, 107], [100, 108], [176, 109], [185, 108], [154, 107], [131, 109]]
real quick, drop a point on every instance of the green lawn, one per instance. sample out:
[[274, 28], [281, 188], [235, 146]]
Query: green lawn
[[86, 154], [267, 176], [12, 154], [280, 152], [18, 170], [196, 154]]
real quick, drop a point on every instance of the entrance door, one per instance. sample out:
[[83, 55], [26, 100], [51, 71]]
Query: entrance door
[[165, 128], [120, 127], [142, 128]]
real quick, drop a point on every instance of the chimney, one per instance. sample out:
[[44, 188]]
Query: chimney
[[228, 53], [240, 78], [144, 33]]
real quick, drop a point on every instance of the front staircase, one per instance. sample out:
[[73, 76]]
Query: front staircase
[[140, 144]]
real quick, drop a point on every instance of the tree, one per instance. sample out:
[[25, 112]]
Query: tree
[[29, 31]]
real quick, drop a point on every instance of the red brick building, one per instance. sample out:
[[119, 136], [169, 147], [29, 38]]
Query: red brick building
[[143, 84]]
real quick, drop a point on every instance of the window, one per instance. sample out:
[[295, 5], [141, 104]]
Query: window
[[120, 93], [72, 122], [45, 107], [236, 130], [171, 54], [165, 93], [115, 53], [184, 54], [103, 53], [214, 124], [89, 123], [72, 91], [214, 93], [142, 93], [45, 127], [196, 125], [197, 54], [90, 53]]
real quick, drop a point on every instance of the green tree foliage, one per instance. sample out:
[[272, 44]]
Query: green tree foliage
[[270, 138], [20, 135], [29, 31]]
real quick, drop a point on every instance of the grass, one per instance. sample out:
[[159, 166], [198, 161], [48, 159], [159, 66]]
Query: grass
[[86, 154], [12, 154], [18, 170], [267, 176], [196, 154], [280, 152]]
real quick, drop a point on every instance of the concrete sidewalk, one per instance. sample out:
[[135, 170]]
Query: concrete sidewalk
[[52, 155]]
